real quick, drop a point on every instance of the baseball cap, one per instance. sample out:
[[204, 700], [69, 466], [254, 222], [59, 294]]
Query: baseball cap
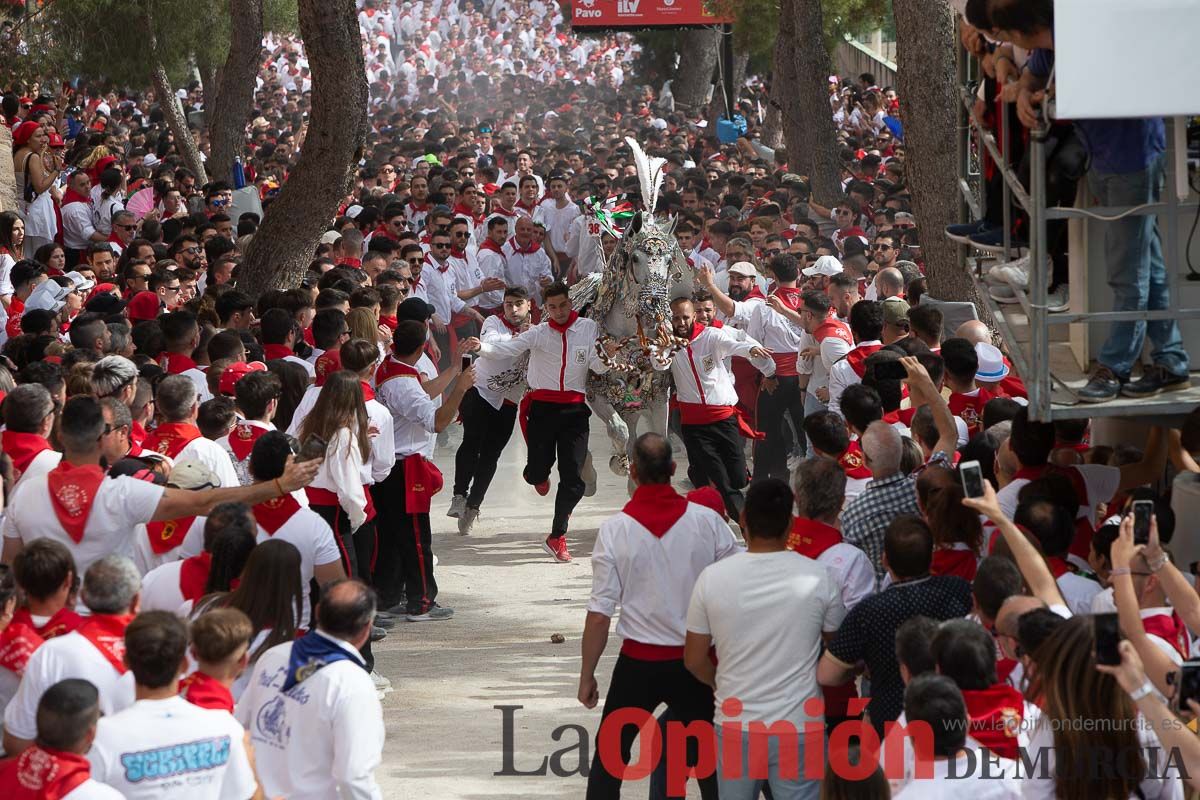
[[143, 306], [141, 468], [895, 311], [744, 268], [825, 265], [49, 296], [330, 237], [105, 303], [414, 308], [235, 372], [193, 475], [82, 284], [991, 363]]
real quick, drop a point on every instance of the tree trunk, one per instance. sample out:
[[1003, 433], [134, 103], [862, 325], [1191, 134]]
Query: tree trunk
[[926, 78], [802, 69], [772, 132], [185, 144], [280, 252], [741, 60], [227, 112], [8, 177], [697, 61]]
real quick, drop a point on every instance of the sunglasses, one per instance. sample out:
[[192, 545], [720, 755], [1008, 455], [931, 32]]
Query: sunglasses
[[191, 250], [173, 289], [139, 276], [772, 252], [126, 227], [882, 247], [461, 234], [389, 170], [440, 245], [415, 262]]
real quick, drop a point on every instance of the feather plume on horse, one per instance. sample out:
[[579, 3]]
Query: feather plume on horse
[[631, 302]]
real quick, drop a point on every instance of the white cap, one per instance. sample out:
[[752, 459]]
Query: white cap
[[353, 211], [82, 284], [991, 363], [330, 237], [825, 265], [744, 268], [48, 295]]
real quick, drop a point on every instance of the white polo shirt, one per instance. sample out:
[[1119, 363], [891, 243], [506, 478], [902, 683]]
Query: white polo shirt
[[558, 360], [121, 505], [172, 748], [213, 456], [699, 369], [146, 560], [322, 740], [67, 656], [499, 378], [311, 535]]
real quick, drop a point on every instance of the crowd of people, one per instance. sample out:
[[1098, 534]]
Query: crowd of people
[[216, 502]]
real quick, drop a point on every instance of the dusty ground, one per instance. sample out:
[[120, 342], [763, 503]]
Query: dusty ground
[[444, 734]]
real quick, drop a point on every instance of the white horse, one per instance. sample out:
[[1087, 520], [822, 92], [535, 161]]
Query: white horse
[[631, 302]]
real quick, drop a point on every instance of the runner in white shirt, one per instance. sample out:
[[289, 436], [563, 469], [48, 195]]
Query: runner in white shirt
[[161, 744], [558, 214], [646, 560], [57, 765], [526, 261], [318, 734]]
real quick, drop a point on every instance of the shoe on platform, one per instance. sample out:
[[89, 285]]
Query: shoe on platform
[[588, 473], [467, 521], [992, 241], [543, 488], [1059, 300], [1154, 381], [1010, 273], [1103, 386], [963, 233], [386, 622], [1003, 294], [557, 548], [434, 613], [457, 504]]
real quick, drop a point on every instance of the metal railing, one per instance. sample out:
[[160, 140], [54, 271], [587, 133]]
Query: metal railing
[[1032, 360]]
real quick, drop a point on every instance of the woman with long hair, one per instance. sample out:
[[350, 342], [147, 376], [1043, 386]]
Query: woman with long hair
[[364, 324], [1090, 735], [53, 257], [339, 417], [294, 379], [957, 531], [12, 243], [112, 199], [36, 168], [270, 594]]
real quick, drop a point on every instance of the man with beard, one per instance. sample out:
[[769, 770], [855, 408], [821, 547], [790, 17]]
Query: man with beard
[[710, 424], [489, 410], [743, 290]]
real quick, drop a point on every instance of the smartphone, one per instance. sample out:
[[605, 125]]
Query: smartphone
[[890, 370], [972, 478], [314, 447], [1189, 683], [466, 363], [1107, 636], [1143, 510]]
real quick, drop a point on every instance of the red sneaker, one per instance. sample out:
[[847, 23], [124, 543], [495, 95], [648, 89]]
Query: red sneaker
[[543, 488], [557, 548]]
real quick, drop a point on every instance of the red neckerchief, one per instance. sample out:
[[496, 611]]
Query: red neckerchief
[[353, 263], [656, 507], [418, 208], [242, 439], [566, 325], [328, 363], [697, 329], [853, 463], [1169, 628], [488, 244], [461, 254], [389, 321], [60, 623], [272, 351], [969, 408], [391, 368], [716, 323], [22, 448], [137, 435], [754, 293], [177, 363], [995, 715], [832, 326], [106, 632], [17, 643], [462, 211], [529, 208], [166, 536], [954, 561], [517, 248], [382, 230], [368, 392], [1058, 566], [40, 773], [514, 329], [271, 515], [809, 537], [72, 196], [193, 575], [892, 417], [72, 493], [206, 691], [170, 438], [790, 296], [857, 357]]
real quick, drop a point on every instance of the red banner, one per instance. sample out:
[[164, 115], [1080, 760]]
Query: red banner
[[641, 14]]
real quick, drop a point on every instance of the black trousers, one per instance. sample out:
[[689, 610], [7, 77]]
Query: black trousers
[[770, 454], [486, 431], [715, 456], [558, 430], [358, 550], [645, 684], [405, 561]]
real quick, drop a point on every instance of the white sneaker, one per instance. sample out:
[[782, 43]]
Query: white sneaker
[[1003, 294], [1011, 273], [1059, 300], [467, 521], [457, 504], [382, 685], [435, 559]]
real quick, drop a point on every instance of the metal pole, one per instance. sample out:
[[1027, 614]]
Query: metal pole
[[1039, 400], [727, 67]]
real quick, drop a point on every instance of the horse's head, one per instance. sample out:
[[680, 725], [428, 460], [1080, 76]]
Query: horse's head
[[653, 259]]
